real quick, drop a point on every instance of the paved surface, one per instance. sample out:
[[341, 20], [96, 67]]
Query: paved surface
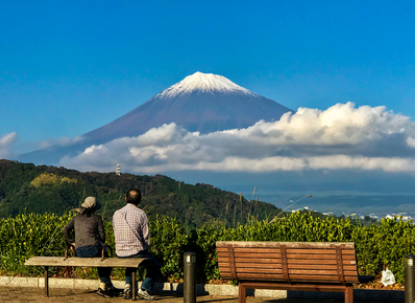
[[35, 295]]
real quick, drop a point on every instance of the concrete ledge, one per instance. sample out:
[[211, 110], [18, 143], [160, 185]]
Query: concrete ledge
[[57, 283], [358, 294], [86, 284], [209, 289], [19, 282]]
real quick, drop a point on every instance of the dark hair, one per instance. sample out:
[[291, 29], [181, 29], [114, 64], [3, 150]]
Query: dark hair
[[133, 196], [88, 211]]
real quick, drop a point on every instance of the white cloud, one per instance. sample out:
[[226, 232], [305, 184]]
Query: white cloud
[[6, 141], [341, 137], [411, 142]]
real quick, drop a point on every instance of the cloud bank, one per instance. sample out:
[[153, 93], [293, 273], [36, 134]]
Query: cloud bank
[[341, 137]]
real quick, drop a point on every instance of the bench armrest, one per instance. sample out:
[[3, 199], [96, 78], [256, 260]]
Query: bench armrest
[[66, 251], [103, 251]]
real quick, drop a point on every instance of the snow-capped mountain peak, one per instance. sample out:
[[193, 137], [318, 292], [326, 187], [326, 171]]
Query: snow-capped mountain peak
[[205, 83], [201, 102]]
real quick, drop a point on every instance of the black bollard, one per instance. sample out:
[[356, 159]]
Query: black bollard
[[190, 285], [409, 278]]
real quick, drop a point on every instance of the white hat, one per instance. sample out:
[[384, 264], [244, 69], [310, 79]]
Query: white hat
[[91, 202]]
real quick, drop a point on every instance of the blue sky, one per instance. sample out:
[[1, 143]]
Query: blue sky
[[69, 67]]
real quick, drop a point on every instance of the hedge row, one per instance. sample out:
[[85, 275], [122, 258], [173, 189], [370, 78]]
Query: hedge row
[[377, 247]]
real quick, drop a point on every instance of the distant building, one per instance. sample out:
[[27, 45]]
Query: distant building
[[118, 169]]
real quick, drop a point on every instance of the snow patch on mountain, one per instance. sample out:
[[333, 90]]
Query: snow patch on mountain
[[204, 83]]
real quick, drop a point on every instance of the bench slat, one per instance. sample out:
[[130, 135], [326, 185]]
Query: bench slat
[[84, 262], [305, 266], [256, 250], [256, 279], [254, 265], [318, 251], [326, 267], [260, 275], [295, 277], [291, 261], [348, 270], [252, 270], [310, 279], [319, 257], [256, 244], [313, 272], [350, 273], [317, 262], [251, 255], [311, 257], [247, 260], [350, 267], [322, 272]]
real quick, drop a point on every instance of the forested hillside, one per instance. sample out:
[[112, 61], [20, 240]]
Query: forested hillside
[[40, 189]]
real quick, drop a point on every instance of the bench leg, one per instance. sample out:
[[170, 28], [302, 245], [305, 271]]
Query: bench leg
[[46, 282], [242, 293], [134, 291], [349, 294]]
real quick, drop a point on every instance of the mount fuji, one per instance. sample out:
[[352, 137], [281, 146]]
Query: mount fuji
[[200, 102]]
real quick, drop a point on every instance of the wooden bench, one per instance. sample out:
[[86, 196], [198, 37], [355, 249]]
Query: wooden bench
[[86, 262], [301, 266]]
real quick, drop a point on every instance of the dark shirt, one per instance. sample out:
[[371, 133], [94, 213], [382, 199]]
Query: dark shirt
[[88, 231]]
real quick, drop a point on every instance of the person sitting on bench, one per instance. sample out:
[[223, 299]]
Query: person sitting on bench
[[132, 239], [89, 239]]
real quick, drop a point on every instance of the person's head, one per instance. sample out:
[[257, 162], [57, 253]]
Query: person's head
[[133, 196], [90, 205]]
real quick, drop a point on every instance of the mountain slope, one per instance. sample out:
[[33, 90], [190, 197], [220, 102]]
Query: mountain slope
[[201, 102], [40, 189]]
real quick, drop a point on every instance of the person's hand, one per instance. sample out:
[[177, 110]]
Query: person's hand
[[72, 246]]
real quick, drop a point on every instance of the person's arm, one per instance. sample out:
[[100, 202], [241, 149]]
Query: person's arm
[[67, 232], [101, 233], [145, 232]]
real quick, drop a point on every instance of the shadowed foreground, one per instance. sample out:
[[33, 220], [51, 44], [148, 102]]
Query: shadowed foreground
[[15, 295]]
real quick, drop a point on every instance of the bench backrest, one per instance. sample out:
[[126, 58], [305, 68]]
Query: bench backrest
[[288, 261]]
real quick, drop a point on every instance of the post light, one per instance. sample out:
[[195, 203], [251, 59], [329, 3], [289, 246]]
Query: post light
[[190, 285], [410, 290]]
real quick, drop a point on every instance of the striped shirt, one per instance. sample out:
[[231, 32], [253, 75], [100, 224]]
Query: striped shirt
[[131, 231]]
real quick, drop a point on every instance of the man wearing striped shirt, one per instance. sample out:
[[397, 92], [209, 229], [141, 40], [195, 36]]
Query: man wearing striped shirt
[[132, 239]]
